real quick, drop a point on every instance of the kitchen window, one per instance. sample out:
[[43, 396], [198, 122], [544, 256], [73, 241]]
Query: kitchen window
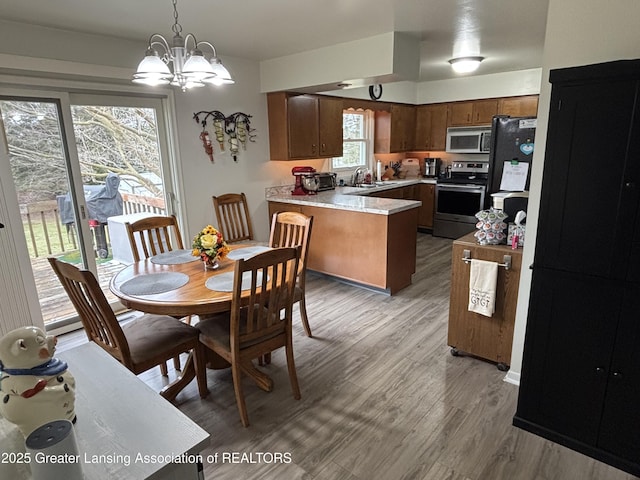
[[357, 133]]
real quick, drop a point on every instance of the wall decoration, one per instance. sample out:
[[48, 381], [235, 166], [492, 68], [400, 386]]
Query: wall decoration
[[236, 126]]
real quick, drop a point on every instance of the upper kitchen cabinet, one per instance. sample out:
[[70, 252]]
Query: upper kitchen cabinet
[[525, 106], [431, 126], [304, 126], [476, 112], [395, 130]]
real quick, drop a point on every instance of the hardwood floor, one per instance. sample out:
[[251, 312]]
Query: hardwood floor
[[382, 398]]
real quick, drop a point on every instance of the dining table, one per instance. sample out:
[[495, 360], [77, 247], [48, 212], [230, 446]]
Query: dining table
[[178, 284]]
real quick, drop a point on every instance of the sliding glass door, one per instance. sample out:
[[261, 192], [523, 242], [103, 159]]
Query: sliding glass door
[[82, 165]]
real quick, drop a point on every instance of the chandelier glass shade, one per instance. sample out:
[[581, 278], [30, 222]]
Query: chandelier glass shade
[[177, 64]]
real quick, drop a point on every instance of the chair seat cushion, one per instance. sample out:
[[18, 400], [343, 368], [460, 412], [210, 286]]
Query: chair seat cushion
[[218, 328], [150, 335]]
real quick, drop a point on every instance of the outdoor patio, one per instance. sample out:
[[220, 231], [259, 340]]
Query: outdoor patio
[[54, 302]]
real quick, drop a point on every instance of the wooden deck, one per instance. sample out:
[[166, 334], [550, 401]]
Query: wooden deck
[[54, 302]]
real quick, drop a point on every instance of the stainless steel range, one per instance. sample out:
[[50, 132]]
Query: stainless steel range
[[459, 197]]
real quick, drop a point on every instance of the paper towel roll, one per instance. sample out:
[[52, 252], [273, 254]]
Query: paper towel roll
[[54, 452]]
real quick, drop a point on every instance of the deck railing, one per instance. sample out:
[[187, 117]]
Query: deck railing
[[47, 235]]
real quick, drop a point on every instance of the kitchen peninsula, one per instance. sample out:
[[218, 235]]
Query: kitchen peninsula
[[358, 235]]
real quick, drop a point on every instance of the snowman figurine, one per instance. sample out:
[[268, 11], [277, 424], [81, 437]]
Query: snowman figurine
[[35, 388]]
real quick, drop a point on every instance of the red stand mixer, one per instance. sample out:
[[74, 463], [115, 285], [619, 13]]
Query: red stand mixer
[[306, 181]]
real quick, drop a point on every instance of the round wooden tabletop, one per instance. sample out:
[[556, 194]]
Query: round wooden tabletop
[[193, 298]]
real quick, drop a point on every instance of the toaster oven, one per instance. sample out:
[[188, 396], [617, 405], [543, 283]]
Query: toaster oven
[[325, 180]]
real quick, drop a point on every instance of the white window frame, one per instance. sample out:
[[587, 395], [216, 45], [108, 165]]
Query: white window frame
[[367, 142]]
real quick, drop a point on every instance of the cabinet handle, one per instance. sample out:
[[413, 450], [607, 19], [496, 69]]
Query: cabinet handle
[[599, 370], [630, 184], [617, 375]]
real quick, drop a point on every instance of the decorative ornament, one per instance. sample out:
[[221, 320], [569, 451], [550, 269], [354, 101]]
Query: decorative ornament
[[206, 142], [236, 126], [35, 388]]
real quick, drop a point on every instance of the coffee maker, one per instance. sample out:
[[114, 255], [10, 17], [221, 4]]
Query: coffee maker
[[432, 167]]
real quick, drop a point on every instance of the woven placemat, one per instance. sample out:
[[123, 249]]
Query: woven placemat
[[247, 252], [224, 281], [175, 257], [153, 283]]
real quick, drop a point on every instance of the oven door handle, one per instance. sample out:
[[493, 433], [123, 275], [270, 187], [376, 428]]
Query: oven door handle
[[460, 186]]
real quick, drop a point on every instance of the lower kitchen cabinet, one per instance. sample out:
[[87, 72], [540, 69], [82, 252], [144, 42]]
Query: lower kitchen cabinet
[[427, 195], [489, 338], [422, 192], [361, 247]]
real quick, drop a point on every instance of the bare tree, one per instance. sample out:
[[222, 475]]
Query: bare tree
[[121, 140]]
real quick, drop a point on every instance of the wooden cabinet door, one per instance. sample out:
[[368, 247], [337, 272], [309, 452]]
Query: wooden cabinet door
[[427, 194], [619, 430], [570, 338], [460, 114], [431, 127], [330, 126], [525, 106], [484, 111], [396, 193], [402, 128], [302, 120], [477, 112], [589, 196]]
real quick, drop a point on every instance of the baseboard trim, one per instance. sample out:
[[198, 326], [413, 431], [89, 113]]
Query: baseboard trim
[[512, 378]]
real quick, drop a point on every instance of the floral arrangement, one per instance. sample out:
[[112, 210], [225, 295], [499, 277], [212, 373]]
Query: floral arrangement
[[209, 245]]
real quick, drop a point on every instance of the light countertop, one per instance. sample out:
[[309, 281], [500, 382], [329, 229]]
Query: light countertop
[[352, 198]]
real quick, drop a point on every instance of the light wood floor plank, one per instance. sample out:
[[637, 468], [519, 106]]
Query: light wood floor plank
[[382, 398]]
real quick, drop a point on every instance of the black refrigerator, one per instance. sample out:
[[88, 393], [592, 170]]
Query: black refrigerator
[[512, 142]]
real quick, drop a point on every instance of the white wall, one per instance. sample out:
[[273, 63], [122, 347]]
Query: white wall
[[578, 33]]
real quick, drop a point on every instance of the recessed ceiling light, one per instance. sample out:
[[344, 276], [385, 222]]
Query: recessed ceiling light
[[465, 64]]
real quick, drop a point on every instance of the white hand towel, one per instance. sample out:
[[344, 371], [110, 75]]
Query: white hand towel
[[482, 287]]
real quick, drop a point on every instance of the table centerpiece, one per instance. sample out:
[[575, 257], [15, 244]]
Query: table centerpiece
[[210, 246]]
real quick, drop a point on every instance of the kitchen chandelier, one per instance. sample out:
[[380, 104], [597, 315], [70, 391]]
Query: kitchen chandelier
[[465, 64], [190, 67]]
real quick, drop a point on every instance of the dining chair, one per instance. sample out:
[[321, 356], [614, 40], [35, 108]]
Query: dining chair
[[293, 229], [140, 344], [232, 215], [260, 317], [152, 236]]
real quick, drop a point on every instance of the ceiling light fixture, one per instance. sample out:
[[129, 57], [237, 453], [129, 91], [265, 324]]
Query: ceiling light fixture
[[190, 67], [465, 64]]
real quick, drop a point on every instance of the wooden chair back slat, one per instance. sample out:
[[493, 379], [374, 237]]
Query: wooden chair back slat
[[98, 320], [232, 215], [154, 235]]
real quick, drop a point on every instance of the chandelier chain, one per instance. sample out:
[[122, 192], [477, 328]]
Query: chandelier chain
[[177, 28]]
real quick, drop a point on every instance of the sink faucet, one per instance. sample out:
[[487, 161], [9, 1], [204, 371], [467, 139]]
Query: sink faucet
[[358, 176]]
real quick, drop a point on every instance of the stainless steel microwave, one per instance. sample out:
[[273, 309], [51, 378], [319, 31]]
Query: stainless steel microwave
[[468, 139]]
